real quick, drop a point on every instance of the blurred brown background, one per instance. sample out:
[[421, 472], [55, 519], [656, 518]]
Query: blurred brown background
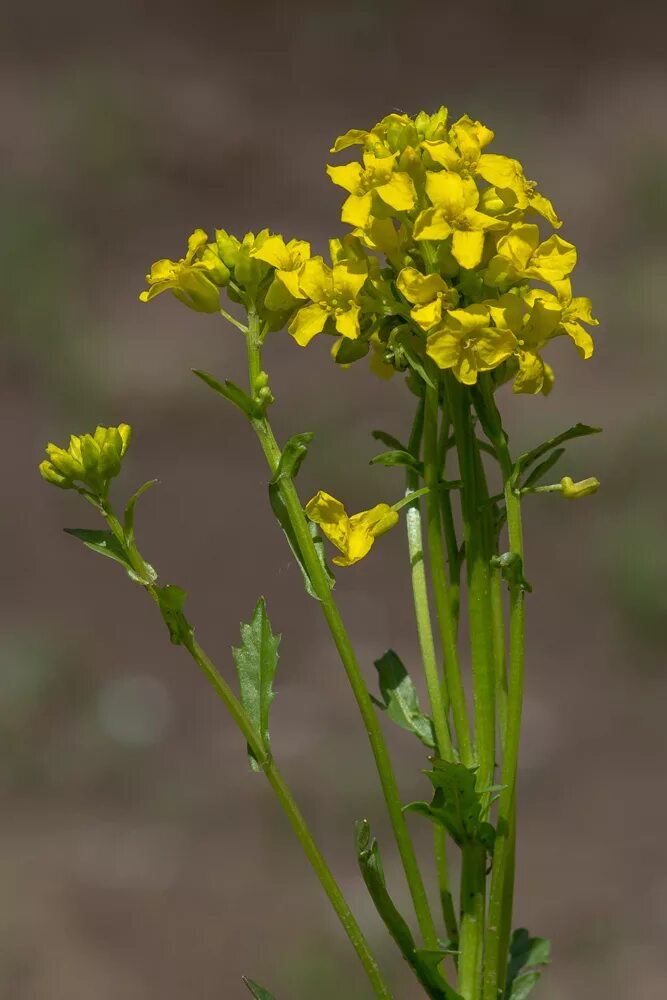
[[138, 855]]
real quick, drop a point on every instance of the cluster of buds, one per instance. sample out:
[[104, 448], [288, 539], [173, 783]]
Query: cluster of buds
[[90, 461]]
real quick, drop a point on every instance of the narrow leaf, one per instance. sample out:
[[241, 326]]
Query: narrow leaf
[[231, 392], [579, 430], [523, 985], [170, 601], [398, 457], [256, 660], [257, 991], [280, 511], [128, 524], [103, 542], [292, 456], [425, 965], [400, 699], [388, 439], [541, 470]]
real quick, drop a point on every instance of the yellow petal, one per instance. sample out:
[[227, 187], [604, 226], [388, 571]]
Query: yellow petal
[[431, 224], [347, 322], [450, 192], [290, 279], [519, 245], [196, 241], [493, 347], [553, 259], [581, 338], [348, 176], [356, 210], [418, 287], [274, 252], [467, 247], [399, 192], [375, 521], [443, 153], [315, 279], [353, 137], [428, 315], [348, 279], [501, 171], [444, 346], [329, 513], [538, 203], [530, 377], [307, 323]]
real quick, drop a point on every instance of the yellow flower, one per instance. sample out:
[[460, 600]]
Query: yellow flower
[[90, 459], [454, 201], [287, 259], [353, 536], [576, 311], [333, 292], [430, 295], [533, 320], [505, 174], [194, 279], [521, 255], [468, 343], [378, 176]]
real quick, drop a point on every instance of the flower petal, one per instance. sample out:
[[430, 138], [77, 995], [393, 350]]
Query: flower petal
[[348, 176], [399, 192], [307, 323], [467, 247]]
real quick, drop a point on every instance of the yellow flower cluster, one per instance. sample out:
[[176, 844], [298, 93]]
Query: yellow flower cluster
[[445, 261]]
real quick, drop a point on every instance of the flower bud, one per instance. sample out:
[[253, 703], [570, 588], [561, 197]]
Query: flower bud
[[584, 488], [91, 460]]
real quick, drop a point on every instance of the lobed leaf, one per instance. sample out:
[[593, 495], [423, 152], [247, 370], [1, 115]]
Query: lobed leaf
[[456, 804], [526, 953], [256, 660]]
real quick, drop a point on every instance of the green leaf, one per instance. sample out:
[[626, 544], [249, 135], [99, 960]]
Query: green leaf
[[542, 469], [456, 804], [258, 992], [523, 985], [231, 392], [170, 601], [103, 542], [388, 439], [400, 699], [256, 660], [398, 457], [350, 351], [424, 964], [128, 524], [526, 953], [292, 456], [530, 457], [280, 510]]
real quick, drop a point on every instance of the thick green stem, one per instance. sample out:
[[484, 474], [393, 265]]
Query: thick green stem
[[429, 661], [347, 655], [502, 879], [275, 779], [446, 623]]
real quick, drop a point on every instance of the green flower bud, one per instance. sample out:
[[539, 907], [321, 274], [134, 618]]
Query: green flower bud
[[91, 460], [228, 247], [51, 475]]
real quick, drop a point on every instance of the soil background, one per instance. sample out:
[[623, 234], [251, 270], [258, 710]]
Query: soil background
[[139, 857]]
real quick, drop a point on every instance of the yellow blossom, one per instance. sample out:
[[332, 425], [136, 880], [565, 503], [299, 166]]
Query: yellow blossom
[[333, 292], [430, 294], [454, 201], [287, 259], [521, 255], [534, 320], [194, 279], [574, 312], [469, 343], [378, 176], [353, 536]]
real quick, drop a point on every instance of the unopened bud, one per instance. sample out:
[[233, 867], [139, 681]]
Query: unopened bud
[[584, 488]]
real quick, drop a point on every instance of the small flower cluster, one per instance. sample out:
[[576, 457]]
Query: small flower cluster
[[444, 261], [91, 460]]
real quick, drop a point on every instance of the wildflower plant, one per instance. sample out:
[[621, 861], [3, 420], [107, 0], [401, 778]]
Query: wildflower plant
[[447, 281]]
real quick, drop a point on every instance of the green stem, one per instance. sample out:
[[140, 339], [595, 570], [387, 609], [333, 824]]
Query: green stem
[[453, 557], [347, 655], [429, 661], [502, 879], [274, 777], [446, 624], [473, 888]]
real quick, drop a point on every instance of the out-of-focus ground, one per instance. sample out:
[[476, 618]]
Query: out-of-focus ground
[[138, 855]]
